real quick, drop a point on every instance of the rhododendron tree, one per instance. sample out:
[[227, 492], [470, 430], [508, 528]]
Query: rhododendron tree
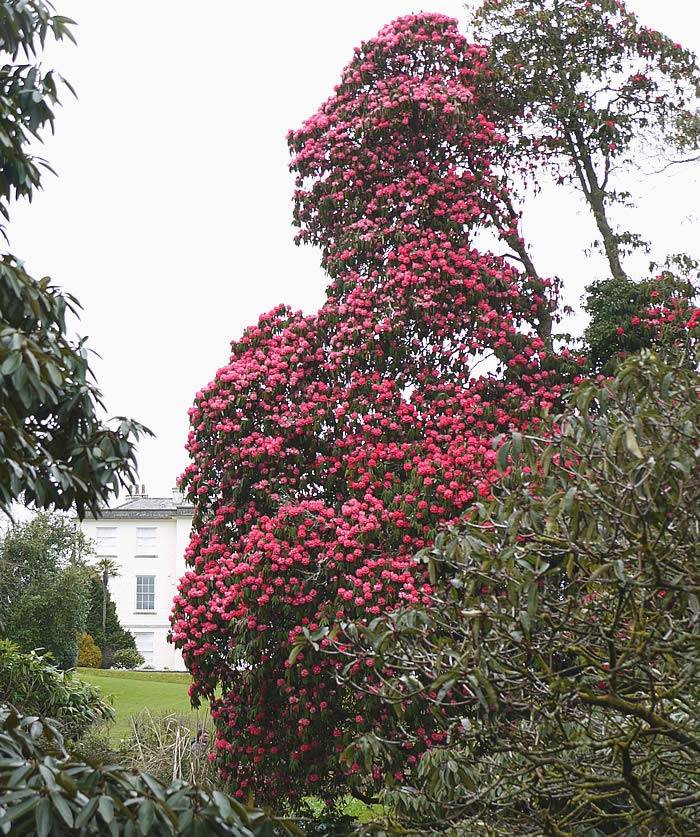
[[333, 446]]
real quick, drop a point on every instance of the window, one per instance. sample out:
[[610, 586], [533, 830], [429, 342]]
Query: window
[[146, 539], [145, 643], [145, 592], [106, 538]]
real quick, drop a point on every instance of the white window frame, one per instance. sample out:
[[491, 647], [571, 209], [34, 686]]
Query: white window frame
[[149, 546], [142, 594], [106, 548]]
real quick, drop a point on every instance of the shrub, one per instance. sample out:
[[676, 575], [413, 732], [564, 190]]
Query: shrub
[[127, 658], [89, 655], [35, 686], [45, 790], [560, 652]]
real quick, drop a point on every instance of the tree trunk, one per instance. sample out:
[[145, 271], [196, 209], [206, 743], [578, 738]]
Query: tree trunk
[[105, 581], [595, 195]]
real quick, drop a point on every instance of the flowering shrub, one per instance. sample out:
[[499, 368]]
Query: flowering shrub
[[332, 446], [628, 316]]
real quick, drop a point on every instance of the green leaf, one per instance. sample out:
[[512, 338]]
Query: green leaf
[[63, 808], [42, 817], [86, 812], [631, 443], [147, 814]]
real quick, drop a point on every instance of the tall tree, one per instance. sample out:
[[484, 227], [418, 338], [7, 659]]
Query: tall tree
[[332, 446], [102, 622], [584, 91], [55, 450], [44, 585]]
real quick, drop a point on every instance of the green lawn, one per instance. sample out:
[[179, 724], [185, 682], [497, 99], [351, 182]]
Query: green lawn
[[134, 691]]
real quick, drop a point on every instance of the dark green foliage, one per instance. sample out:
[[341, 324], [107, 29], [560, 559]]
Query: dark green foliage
[[45, 791], [620, 321], [127, 658], [115, 637], [560, 657], [29, 95], [35, 686], [43, 586], [55, 451]]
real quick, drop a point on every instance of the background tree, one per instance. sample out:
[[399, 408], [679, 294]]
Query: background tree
[[55, 450], [559, 646], [584, 91], [588, 95], [102, 622], [44, 581]]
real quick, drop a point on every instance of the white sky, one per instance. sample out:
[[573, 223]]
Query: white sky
[[170, 219]]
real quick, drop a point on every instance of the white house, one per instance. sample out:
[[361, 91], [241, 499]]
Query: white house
[[146, 537]]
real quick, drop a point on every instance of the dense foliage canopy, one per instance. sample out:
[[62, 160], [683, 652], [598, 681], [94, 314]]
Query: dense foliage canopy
[[333, 446], [55, 450], [559, 646], [44, 585]]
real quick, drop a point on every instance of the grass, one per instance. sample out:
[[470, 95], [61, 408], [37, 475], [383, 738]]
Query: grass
[[134, 691]]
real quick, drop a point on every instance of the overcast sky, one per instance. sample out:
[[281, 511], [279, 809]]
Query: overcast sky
[[170, 218]]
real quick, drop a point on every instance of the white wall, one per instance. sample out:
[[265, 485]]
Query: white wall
[[164, 560]]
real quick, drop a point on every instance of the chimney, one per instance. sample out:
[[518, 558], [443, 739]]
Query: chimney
[[177, 496], [143, 490]]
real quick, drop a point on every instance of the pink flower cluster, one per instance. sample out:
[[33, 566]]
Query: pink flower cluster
[[333, 446]]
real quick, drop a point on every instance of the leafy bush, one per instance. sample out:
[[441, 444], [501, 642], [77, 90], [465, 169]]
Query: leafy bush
[[35, 686], [89, 655], [127, 658], [44, 585], [45, 790], [560, 655]]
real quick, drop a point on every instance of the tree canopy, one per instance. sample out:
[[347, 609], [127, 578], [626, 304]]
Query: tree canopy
[[335, 445], [332, 446], [44, 586], [55, 449]]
